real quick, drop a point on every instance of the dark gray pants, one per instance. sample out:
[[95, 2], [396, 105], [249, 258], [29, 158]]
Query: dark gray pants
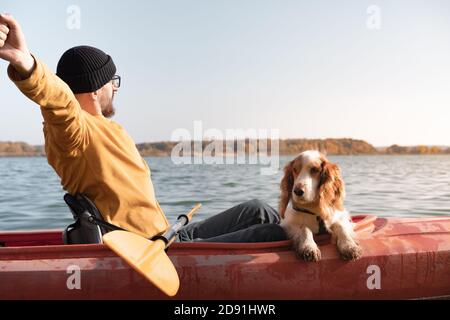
[[252, 221]]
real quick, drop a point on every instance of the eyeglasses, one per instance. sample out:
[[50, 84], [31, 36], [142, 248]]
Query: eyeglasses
[[116, 81]]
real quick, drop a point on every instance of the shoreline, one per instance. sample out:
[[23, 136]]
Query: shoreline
[[288, 147], [281, 155]]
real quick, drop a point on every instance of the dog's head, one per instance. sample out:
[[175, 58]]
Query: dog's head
[[313, 181]]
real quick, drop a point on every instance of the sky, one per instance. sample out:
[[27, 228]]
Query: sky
[[372, 70]]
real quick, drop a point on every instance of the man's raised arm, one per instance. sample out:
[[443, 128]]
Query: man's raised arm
[[60, 109]]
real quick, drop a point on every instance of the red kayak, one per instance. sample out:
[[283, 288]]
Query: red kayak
[[403, 259]]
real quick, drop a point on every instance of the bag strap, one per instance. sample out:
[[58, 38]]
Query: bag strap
[[105, 224], [78, 210]]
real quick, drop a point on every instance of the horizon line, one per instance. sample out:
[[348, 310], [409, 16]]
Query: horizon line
[[246, 138]]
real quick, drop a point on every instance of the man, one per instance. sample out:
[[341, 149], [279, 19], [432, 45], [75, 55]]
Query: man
[[95, 156]]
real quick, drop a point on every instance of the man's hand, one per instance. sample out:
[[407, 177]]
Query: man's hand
[[13, 47]]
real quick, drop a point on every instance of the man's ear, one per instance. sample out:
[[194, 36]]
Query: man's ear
[[95, 95]]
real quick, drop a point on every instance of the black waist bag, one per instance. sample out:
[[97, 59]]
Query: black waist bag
[[89, 226]]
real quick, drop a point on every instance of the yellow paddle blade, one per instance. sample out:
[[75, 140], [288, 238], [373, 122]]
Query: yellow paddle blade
[[146, 257]]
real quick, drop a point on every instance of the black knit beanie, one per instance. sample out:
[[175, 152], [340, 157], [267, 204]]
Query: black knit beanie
[[85, 69]]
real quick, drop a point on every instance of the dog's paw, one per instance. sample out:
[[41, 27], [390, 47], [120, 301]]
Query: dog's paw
[[350, 251], [309, 253]]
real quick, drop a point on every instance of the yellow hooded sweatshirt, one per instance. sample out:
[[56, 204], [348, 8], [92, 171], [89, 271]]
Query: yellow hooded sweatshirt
[[93, 155]]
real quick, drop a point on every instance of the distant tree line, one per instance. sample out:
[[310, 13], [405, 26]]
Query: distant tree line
[[285, 147]]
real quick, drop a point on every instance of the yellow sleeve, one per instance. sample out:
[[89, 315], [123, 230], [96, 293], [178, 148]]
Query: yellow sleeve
[[62, 113]]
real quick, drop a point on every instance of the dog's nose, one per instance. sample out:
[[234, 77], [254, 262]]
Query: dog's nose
[[299, 192]]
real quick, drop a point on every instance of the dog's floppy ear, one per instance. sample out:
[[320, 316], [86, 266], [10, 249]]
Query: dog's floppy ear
[[287, 183], [331, 188]]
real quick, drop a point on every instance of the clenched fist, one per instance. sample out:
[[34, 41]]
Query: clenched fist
[[13, 47]]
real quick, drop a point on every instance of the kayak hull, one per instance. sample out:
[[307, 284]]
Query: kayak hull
[[402, 259]]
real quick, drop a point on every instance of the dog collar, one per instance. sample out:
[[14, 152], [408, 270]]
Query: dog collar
[[322, 228], [303, 210]]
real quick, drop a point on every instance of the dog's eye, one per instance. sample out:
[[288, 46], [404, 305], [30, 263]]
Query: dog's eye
[[295, 170], [314, 170]]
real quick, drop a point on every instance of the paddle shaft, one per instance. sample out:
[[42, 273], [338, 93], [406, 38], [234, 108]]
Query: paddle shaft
[[183, 220]]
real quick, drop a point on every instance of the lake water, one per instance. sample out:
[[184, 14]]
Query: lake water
[[31, 196]]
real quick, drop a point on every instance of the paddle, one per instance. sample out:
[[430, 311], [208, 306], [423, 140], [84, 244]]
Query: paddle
[[149, 257]]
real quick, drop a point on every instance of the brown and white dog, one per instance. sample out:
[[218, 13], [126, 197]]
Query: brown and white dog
[[312, 199]]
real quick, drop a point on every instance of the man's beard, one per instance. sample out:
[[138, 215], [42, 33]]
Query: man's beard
[[108, 109]]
